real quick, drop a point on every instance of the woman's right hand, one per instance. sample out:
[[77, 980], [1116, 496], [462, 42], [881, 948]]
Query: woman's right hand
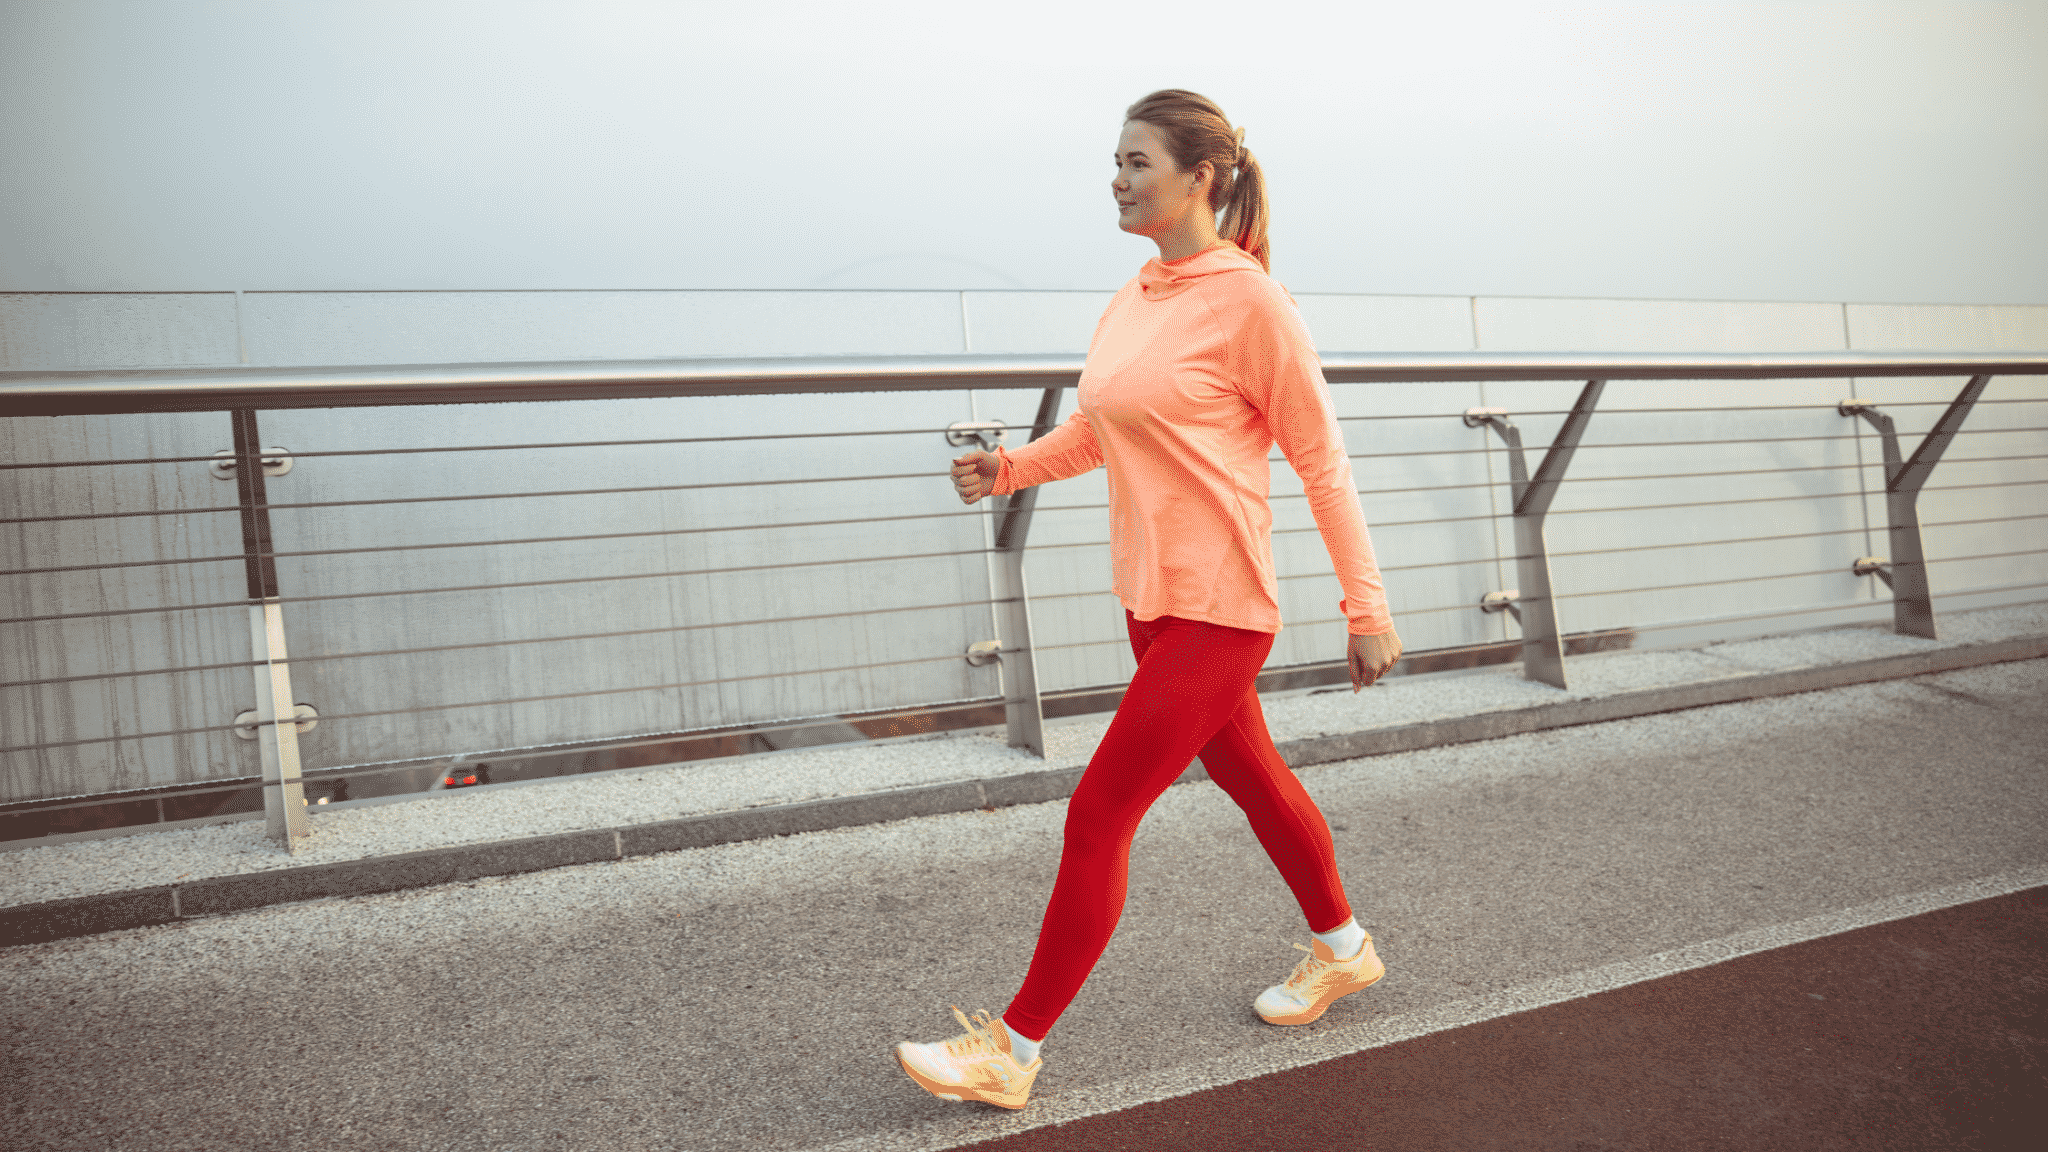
[[974, 475]]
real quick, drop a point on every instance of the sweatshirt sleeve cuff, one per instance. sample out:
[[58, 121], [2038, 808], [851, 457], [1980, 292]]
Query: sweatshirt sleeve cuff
[[1372, 624], [1006, 474]]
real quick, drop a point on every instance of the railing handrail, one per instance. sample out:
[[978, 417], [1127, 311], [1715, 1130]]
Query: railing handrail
[[62, 393]]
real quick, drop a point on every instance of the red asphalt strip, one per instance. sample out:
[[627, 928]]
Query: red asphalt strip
[[1924, 1033]]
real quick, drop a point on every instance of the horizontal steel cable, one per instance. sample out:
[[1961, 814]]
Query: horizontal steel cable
[[494, 587], [1508, 559], [572, 695], [494, 703], [934, 607], [962, 552], [1652, 507], [1933, 560], [1863, 604], [1637, 628], [670, 628], [872, 520], [777, 436], [1603, 410], [383, 652], [239, 557], [443, 763], [780, 436], [387, 652], [223, 508], [1575, 594]]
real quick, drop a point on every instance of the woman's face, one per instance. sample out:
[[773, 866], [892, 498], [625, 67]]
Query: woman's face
[[1152, 193]]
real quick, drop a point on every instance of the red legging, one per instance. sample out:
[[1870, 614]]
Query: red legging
[[1193, 693]]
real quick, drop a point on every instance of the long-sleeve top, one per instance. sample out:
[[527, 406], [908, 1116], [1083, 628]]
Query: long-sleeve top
[[1195, 370]]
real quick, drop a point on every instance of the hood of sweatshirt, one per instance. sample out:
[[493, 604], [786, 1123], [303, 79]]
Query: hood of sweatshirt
[[1158, 281]]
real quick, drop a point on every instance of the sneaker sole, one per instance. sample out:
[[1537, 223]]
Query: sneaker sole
[[960, 1093], [1314, 1012]]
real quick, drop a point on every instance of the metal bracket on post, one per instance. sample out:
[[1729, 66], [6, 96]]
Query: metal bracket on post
[[1502, 601], [1542, 643], [1912, 601], [1876, 566], [1023, 712], [985, 434], [284, 799]]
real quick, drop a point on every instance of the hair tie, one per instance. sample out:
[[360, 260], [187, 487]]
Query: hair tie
[[1239, 162]]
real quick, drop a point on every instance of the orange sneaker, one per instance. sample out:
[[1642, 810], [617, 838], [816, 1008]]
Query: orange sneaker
[[1317, 982], [976, 1066]]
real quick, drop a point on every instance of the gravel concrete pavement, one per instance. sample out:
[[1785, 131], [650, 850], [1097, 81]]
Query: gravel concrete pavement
[[747, 995]]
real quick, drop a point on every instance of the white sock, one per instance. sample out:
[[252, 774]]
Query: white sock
[[1344, 940], [1023, 1051]]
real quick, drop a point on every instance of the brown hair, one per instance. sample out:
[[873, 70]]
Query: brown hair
[[1197, 130]]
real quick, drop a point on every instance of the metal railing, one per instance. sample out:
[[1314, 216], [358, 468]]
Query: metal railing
[[277, 719]]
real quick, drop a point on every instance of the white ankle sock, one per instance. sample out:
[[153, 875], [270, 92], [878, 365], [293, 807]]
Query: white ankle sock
[[1344, 940], [1023, 1051]]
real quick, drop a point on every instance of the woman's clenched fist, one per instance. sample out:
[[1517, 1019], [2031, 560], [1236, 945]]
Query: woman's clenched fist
[[974, 475]]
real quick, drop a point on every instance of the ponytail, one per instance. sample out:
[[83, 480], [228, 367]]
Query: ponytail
[[1244, 215]]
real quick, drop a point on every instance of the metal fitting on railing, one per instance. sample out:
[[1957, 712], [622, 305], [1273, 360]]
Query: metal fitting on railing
[[986, 433], [1876, 566], [1474, 417], [1502, 601], [245, 722], [276, 462], [984, 652]]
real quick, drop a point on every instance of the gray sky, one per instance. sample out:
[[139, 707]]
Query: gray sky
[[1878, 151]]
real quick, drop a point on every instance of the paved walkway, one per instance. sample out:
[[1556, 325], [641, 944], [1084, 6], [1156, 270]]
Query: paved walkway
[[746, 995]]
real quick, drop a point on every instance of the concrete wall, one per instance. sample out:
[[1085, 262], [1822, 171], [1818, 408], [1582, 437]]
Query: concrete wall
[[1429, 488]]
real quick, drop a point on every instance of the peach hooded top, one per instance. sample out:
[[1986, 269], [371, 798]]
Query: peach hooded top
[[1197, 368]]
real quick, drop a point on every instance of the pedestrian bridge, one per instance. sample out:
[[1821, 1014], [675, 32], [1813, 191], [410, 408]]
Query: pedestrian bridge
[[1739, 654]]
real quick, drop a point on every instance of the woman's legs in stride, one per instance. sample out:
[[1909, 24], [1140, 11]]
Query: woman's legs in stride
[[1242, 761], [1189, 695]]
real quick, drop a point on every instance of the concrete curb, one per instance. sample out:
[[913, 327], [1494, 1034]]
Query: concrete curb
[[213, 896]]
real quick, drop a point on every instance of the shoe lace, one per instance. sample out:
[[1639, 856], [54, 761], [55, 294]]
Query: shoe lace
[[1310, 967], [978, 1043]]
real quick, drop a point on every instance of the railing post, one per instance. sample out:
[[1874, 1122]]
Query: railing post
[[1023, 712], [1912, 598], [1542, 642], [277, 733]]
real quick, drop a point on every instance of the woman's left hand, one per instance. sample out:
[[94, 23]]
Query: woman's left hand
[[1371, 656]]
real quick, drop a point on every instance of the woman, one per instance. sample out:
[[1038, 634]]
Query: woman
[[1197, 367]]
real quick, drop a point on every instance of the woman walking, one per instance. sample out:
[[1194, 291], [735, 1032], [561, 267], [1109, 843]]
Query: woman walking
[[1200, 364]]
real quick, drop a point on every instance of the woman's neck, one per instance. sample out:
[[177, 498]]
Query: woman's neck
[[1195, 233]]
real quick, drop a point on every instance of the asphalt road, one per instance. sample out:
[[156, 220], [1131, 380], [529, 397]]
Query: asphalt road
[[748, 995]]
